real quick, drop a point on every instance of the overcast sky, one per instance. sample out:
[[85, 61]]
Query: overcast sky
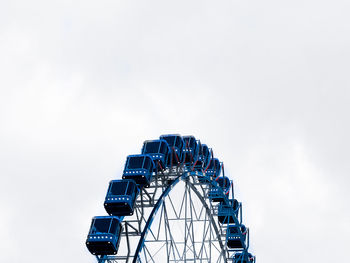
[[265, 83]]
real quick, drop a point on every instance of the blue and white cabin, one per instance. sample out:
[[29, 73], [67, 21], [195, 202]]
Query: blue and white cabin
[[159, 150], [214, 168], [120, 198], [176, 145], [104, 235], [203, 158], [236, 236], [243, 257], [139, 168], [226, 212], [190, 150], [218, 194]]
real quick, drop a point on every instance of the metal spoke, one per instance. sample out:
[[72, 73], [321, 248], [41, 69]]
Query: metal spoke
[[171, 205]]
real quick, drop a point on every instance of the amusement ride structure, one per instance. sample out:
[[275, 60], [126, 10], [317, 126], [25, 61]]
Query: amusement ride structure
[[173, 204]]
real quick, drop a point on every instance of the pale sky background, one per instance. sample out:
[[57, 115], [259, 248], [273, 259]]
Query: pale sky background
[[265, 83]]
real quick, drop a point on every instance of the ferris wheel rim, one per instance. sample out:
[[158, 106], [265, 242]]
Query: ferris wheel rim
[[160, 201]]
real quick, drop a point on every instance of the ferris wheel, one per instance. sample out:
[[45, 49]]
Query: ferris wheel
[[173, 204]]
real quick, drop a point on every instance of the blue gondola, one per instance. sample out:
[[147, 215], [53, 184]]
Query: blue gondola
[[159, 150], [104, 235], [139, 168], [217, 194], [120, 198], [176, 145], [236, 236], [190, 150], [243, 257], [226, 212], [214, 168], [203, 158]]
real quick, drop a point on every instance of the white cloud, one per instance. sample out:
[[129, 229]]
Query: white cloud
[[264, 83]]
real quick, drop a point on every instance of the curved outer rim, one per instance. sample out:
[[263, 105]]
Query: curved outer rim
[[160, 202]]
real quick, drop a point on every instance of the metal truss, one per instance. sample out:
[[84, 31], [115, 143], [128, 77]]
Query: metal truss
[[173, 221]]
